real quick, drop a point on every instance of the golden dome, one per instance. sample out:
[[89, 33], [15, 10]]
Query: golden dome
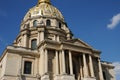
[[44, 9]]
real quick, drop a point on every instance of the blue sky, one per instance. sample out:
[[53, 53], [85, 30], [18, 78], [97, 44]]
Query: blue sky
[[96, 22]]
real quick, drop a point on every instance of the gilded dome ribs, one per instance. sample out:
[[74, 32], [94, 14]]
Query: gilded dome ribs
[[44, 10]]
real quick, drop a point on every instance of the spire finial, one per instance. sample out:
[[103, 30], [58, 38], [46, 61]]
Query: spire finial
[[43, 1]]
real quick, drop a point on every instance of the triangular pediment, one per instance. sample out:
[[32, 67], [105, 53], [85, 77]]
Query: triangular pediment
[[79, 43]]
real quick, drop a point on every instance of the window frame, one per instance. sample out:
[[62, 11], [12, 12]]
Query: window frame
[[30, 59], [60, 25], [34, 46], [35, 23], [27, 68], [48, 22]]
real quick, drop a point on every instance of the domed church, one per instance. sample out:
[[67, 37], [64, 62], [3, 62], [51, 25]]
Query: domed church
[[45, 49]]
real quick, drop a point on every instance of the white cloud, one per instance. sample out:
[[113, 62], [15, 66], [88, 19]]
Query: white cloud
[[117, 69], [114, 21]]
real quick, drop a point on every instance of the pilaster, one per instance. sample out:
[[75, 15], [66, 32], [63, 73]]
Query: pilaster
[[46, 61]]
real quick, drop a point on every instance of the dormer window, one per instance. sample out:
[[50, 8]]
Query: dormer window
[[35, 23], [34, 44], [48, 23]]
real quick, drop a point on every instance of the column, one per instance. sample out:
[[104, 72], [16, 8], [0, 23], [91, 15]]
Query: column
[[70, 62], [68, 36], [41, 35], [100, 70], [54, 37], [81, 68], [63, 62], [42, 62], [58, 38], [91, 66], [85, 66], [60, 61], [38, 38], [46, 61], [25, 40], [57, 64]]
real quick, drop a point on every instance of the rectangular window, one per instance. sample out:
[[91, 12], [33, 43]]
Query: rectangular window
[[27, 67]]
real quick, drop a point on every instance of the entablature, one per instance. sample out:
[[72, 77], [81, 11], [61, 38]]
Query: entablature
[[49, 44]]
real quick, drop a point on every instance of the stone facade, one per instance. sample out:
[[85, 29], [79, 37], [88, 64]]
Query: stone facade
[[46, 50]]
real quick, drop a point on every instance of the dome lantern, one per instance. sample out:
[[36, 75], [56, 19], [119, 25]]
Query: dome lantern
[[43, 1]]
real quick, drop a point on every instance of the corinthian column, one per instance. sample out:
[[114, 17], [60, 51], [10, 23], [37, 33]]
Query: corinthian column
[[81, 68], [63, 62], [60, 61], [91, 66], [70, 62], [100, 70], [57, 65], [85, 66]]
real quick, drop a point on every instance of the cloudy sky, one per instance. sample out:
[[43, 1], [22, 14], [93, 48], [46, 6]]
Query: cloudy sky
[[96, 22]]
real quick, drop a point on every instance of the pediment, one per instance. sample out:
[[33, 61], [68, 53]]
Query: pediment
[[79, 43]]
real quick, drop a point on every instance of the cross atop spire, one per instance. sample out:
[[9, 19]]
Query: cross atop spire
[[43, 1]]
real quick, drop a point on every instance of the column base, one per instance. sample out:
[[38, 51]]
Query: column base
[[45, 77], [64, 77], [89, 78], [57, 77]]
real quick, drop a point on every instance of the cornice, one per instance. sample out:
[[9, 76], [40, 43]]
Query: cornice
[[107, 64], [49, 44], [20, 51], [38, 17]]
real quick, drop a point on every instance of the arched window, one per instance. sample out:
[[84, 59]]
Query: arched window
[[35, 23], [34, 44], [48, 23]]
